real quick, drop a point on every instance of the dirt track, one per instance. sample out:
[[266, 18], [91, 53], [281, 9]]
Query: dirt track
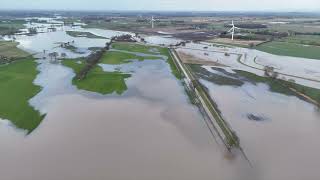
[[190, 59]]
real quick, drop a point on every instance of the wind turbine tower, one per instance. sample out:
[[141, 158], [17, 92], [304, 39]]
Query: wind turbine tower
[[152, 22], [232, 30]]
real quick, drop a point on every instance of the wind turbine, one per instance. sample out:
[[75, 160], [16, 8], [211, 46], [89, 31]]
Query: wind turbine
[[152, 22], [232, 30]]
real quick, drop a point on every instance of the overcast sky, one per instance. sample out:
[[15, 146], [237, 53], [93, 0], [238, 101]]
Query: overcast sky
[[169, 5]]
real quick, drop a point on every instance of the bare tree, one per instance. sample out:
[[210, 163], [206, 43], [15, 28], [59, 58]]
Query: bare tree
[[55, 55], [275, 75], [63, 55], [50, 55], [268, 71]]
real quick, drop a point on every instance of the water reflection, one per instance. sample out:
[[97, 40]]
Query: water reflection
[[303, 71], [152, 132], [149, 133], [283, 147]]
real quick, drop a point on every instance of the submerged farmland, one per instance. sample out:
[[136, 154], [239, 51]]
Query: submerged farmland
[[131, 113]]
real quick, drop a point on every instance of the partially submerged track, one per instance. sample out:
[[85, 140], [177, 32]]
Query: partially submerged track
[[228, 136]]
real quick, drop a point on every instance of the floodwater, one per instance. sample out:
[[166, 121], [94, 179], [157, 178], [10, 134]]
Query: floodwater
[[283, 143], [152, 131], [254, 61]]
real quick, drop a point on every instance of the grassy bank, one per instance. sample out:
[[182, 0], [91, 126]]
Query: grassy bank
[[281, 86], [98, 80], [84, 34], [16, 89], [240, 77], [173, 67], [9, 49], [230, 138]]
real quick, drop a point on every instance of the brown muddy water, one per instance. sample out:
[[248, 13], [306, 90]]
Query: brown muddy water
[[279, 134], [151, 132]]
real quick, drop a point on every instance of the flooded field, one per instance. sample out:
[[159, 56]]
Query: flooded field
[[278, 133], [147, 133], [152, 131], [301, 70]]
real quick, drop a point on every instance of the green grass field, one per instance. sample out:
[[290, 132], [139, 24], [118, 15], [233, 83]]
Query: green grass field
[[84, 34], [139, 48], [71, 20], [290, 49], [120, 24], [303, 28], [303, 39], [11, 26], [98, 80], [9, 49], [115, 57], [16, 89], [132, 47], [130, 24], [103, 82], [124, 25]]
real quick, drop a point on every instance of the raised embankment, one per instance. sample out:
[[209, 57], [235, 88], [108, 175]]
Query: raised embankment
[[204, 101]]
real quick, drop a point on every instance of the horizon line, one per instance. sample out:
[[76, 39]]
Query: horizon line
[[190, 11], [168, 11]]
